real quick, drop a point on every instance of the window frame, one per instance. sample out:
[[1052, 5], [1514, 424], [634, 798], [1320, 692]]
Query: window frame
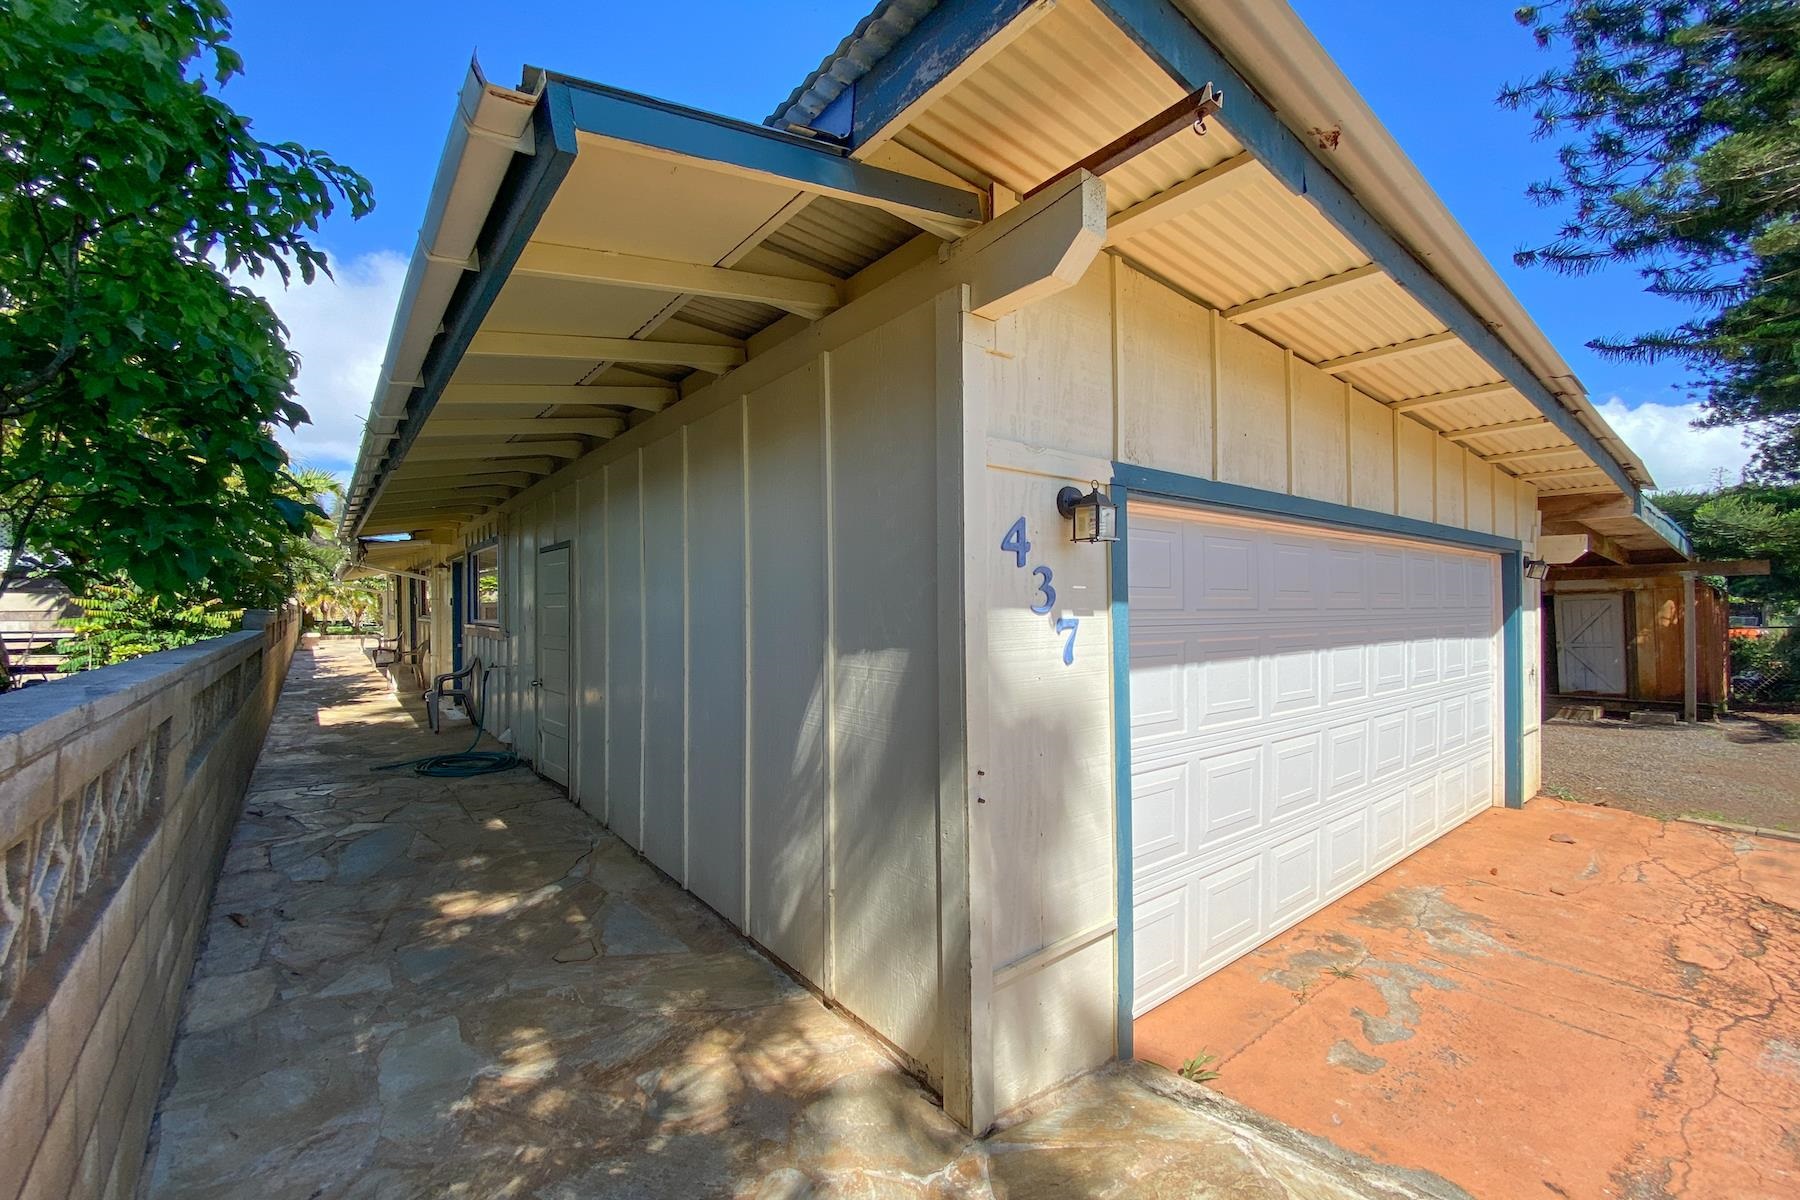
[[473, 614]]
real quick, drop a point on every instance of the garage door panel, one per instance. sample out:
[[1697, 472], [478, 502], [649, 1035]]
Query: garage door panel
[[1346, 759], [1162, 941], [1156, 571], [1293, 571], [1228, 795], [1221, 574], [1346, 850], [1294, 870], [1387, 830], [1316, 706]]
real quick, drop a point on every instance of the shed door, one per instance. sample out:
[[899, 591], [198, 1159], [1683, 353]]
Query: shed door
[[552, 682], [1590, 644], [1307, 707]]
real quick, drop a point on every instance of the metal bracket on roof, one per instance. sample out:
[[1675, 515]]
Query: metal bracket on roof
[[1189, 112]]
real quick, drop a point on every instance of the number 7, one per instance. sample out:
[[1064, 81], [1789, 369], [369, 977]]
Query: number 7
[[1067, 625]]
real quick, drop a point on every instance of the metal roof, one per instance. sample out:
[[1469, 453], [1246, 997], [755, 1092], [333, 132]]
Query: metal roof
[[868, 44]]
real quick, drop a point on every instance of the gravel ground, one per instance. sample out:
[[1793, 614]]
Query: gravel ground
[[1744, 769]]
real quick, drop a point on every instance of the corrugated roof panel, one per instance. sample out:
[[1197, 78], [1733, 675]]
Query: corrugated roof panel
[[1067, 86], [1441, 369], [838, 238], [733, 318], [1252, 241], [1331, 325]]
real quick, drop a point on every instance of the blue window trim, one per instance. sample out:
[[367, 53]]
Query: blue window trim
[[1146, 482]]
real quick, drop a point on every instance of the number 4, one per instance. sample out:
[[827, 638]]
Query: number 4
[[1016, 543]]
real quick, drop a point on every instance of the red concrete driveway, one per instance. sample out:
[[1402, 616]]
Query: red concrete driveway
[[1562, 1002]]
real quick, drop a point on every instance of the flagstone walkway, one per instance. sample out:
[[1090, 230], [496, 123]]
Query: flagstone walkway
[[466, 988]]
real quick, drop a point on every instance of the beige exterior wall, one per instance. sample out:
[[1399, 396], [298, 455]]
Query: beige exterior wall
[[756, 661], [1121, 366]]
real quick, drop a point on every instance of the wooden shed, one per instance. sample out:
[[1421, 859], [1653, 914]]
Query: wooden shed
[[1623, 641], [744, 454]]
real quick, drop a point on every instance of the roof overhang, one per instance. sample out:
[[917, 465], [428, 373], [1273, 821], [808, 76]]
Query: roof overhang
[[569, 316]]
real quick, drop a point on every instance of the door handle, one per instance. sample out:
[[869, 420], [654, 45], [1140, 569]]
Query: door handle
[[537, 683]]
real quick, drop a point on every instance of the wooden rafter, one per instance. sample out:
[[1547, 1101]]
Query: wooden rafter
[[532, 395], [702, 356], [806, 298], [1469, 393], [1181, 199], [1306, 293], [595, 427], [1479, 431], [1387, 354]]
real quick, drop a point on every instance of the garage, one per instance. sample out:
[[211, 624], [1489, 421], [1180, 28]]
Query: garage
[[1308, 706]]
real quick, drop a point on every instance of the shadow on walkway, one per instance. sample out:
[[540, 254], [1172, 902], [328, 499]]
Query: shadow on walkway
[[467, 988]]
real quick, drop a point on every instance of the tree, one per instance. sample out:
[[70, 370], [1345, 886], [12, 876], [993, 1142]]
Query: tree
[[1746, 520], [139, 386], [1684, 161]]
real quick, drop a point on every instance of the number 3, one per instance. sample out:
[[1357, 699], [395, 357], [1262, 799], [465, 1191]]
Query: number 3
[[1044, 590]]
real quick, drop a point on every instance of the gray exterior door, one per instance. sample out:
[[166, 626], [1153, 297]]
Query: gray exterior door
[[1590, 649], [554, 655]]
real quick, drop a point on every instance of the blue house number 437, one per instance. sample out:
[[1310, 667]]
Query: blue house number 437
[[1018, 545]]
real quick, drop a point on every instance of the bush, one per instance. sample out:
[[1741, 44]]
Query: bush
[[1765, 667]]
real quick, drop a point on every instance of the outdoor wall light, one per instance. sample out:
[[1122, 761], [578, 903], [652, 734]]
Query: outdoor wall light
[[1096, 518], [1537, 568]]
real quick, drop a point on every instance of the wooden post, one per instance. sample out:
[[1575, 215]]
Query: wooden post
[[1690, 652]]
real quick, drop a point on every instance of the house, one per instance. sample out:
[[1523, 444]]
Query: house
[[740, 457]]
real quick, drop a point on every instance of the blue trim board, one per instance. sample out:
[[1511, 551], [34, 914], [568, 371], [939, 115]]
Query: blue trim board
[[1512, 654], [1302, 508], [1167, 36], [941, 42], [804, 162], [525, 193], [1124, 949]]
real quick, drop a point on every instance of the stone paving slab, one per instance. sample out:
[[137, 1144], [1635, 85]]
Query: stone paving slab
[[467, 988]]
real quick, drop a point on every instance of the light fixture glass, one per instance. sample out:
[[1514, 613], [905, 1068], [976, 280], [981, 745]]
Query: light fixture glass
[[1537, 568], [1094, 516]]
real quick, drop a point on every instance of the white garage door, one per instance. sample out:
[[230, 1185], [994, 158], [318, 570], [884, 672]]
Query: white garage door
[[1307, 707]]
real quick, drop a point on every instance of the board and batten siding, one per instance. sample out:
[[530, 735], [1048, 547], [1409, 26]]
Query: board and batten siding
[[1121, 367], [756, 672]]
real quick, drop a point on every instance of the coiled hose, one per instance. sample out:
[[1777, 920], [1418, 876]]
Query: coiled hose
[[464, 764]]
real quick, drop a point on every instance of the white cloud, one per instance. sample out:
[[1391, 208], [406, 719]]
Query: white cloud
[[339, 328], [1679, 456]]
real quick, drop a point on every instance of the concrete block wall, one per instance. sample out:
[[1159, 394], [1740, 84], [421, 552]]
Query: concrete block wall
[[118, 792]]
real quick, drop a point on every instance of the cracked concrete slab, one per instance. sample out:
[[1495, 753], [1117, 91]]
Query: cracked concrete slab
[[1566, 1001]]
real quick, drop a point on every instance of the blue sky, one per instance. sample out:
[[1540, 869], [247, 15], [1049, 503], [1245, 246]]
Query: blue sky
[[375, 84]]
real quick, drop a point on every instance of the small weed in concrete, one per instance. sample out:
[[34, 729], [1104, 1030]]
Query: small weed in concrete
[[1341, 970], [1198, 1069], [1303, 993], [1563, 794]]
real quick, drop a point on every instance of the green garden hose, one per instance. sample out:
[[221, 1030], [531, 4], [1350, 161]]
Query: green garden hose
[[465, 764]]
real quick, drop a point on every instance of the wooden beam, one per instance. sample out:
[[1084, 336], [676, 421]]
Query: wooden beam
[[1183, 116], [1517, 456], [505, 479], [543, 260], [579, 348], [1306, 293], [1479, 431], [533, 395], [1042, 247], [1690, 651], [522, 469], [709, 142], [596, 427], [535, 451], [1559, 473], [1181, 199], [445, 495], [1385, 354], [1730, 566], [1468, 393]]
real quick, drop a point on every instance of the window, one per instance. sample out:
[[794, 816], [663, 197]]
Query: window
[[484, 595]]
